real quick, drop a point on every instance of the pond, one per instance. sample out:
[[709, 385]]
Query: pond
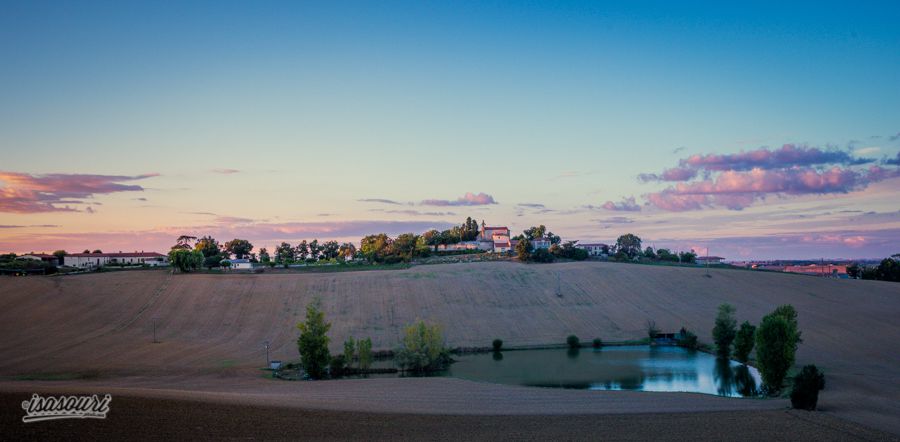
[[638, 368]]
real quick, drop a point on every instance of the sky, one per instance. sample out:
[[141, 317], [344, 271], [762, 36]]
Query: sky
[[756, 131]]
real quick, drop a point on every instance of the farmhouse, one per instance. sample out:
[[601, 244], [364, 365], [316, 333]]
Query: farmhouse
[[593, 249], [241, 264], [827, 270], [712, 260], [49, 259], [91, 260]]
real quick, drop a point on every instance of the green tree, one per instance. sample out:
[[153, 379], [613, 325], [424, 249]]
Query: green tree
[[330, 249], [744, 341], [183, 242], [185, 260], [524, 249], [240, 248], [628, 245], [313, 341], [405, 246], [349, 351], [649, 253], [687, 257], [212, 261], [284, 254], [535, 232], [725, 330], [854, 271], [264, 256], [423, 348], [433, 238], [375, 247], [314, 250], [301, 252], [776, 347], [207, 246], [364, 348]]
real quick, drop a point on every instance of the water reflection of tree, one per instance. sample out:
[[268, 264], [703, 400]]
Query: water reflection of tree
[[744, 381], [724, 377], [498, 356]]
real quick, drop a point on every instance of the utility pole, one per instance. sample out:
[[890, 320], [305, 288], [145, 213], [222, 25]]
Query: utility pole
[[155, 341], [707, 262], [267, 354]]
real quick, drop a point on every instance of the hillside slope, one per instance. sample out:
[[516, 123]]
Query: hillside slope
[[216, 324]]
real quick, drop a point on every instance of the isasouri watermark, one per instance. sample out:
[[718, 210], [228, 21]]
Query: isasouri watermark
[[40, 408]]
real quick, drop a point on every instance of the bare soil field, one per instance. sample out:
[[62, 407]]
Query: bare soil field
[[96, 331]]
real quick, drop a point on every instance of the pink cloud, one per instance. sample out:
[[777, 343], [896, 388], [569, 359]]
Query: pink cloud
[[27, 193], [626, 205], [673, 174], [739, 189], [789, 155], [469, 199]]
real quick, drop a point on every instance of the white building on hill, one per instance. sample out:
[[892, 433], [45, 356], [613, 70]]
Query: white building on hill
[[92, 260]]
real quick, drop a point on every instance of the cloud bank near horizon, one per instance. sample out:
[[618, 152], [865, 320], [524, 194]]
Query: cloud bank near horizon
[[58, 192]]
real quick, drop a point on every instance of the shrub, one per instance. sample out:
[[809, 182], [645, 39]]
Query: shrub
[[542, 255], [687, 339], [423, 349], [744, 341], [652, 330], [313, 342], [776, 346], [497, 344], [598, 343], [364, 350], [337, 366], [724, 330], [573, 342], [805, 392]]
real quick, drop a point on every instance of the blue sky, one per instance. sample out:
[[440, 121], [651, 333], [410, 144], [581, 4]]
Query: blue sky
[[317, 106]]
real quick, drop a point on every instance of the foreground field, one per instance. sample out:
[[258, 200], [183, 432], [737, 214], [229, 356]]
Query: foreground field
[[211, 328]]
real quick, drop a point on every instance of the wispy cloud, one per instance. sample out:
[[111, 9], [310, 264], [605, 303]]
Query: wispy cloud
[[469, 199], [225, 171], [531, 205], [894, 137], [46, 226], [379, 200], [788, 155], [27, 193], [626, 205]]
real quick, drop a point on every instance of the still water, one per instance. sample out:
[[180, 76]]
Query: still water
[[640, 368]]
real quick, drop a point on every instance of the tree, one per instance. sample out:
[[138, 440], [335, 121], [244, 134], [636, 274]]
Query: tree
[[776, 346], [744, 341], [666, 255], [524, 249], [264, 256], [554, 239], [314, 250], [86, 251], [433, 238], [423, 348], [649, 253], [184, 242], [535, 232], [208, 246], [497, 345], [347, 251], [375, 247], [854, 271], [330, 249], [284, 254], [406, 246], [569, 251], [349, 351], [805, 391], [313, 341], [60, 256], [185, 260], [212, 261], [573, 342], [469, 230], [725, 330], [98, 251], [687, 257], [628, 245], [302, 251], [240, 248], [364, 349]]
